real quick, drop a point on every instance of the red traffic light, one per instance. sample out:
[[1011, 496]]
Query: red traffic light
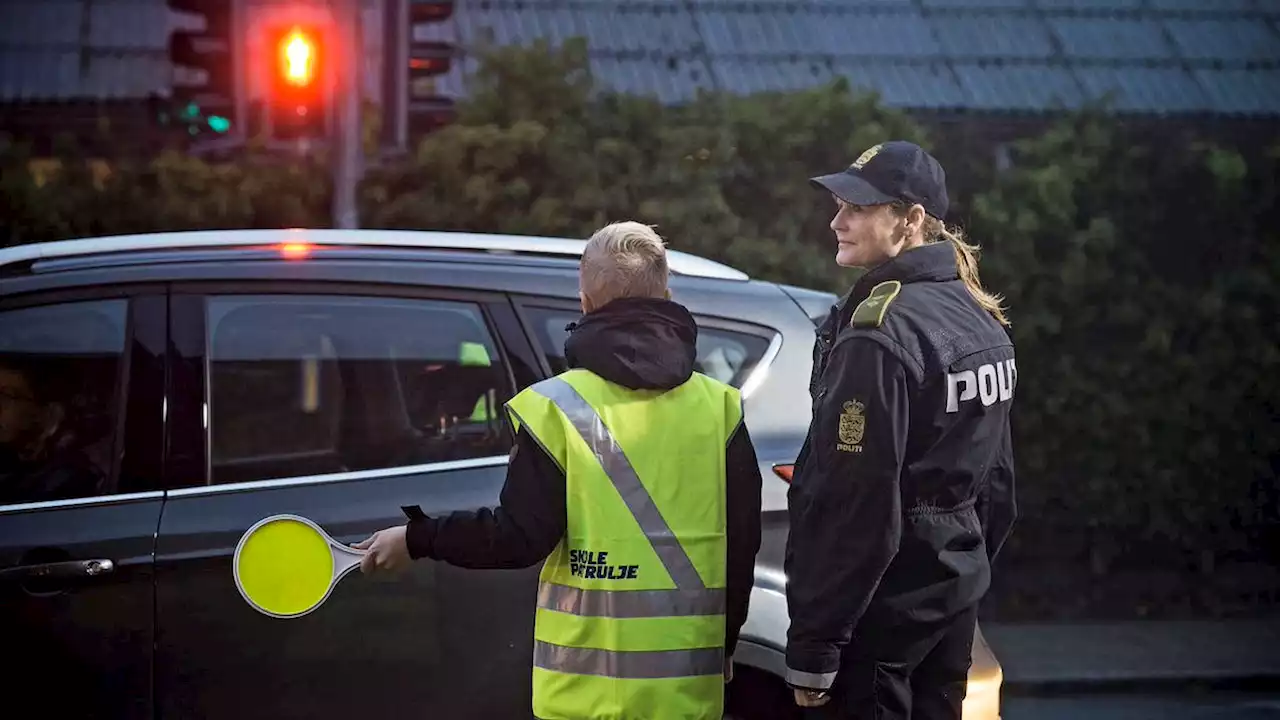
[[429, 65], [298, 52], [297, 59], [428, 11]]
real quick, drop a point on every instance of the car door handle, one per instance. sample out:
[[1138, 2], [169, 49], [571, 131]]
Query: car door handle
[[69, 570]]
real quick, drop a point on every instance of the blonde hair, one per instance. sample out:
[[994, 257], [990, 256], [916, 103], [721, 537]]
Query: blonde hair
[[622, 260], [967, 265], [935, 230]]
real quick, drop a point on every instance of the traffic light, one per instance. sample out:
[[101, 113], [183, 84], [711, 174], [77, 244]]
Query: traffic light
[[430, 59], [205, 63], [300, 95]]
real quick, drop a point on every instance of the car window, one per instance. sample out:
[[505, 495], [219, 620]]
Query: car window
[[725, 355], [307, 385], [60, 369]]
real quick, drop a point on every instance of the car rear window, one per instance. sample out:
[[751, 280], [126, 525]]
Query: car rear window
[[726, 355]]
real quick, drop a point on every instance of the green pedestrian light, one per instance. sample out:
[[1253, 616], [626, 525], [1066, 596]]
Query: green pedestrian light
[[206, 85]]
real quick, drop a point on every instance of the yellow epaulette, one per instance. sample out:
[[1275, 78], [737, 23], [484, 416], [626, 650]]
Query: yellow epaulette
[[870, 312]]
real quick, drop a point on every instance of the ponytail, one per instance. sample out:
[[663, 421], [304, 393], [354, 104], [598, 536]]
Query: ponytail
[[966, 266]]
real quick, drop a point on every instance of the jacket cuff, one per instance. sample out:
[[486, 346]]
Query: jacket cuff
[[810, 666], [420, 537], [810, 681]]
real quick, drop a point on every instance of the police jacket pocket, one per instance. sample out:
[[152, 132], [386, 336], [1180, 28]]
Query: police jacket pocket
[[952, 538], [941, 567], [965, 543]]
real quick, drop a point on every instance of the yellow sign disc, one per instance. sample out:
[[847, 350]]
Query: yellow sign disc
[[284, 566]]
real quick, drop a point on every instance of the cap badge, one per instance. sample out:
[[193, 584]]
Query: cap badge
[[865, 157]]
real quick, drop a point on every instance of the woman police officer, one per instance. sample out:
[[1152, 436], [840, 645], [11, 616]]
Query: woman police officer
[[903, 492]]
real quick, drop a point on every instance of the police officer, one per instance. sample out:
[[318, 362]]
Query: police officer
[[634, 477], [903, 493]]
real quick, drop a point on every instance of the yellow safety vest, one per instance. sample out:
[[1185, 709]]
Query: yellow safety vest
[[630, 619]]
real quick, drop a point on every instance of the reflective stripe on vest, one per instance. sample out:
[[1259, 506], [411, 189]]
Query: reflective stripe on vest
[[592, 429], [630, 603], [646, 665]]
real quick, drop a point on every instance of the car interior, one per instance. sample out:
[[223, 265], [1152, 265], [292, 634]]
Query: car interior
[[59, 369], [337, 388]]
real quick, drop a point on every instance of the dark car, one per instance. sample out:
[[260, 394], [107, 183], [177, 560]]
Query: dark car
[[159, 394]]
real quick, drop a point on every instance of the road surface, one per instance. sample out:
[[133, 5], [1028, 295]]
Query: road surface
[[1210, 705]]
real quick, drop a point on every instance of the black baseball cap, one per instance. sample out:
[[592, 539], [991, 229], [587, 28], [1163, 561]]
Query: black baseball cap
[[889, 172]]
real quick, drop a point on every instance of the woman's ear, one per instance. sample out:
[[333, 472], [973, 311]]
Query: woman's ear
[[667, 293], [915, 220]]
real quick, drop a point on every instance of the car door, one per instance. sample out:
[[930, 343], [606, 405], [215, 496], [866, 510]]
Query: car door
[[81, 418], [341, 404]]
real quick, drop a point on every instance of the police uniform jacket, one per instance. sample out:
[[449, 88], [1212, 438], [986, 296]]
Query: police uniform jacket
[[903, 492]]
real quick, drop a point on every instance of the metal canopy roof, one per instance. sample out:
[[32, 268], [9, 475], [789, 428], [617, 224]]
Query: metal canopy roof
[[1151, 56]]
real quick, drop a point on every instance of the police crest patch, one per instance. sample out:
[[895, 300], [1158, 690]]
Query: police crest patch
[[852, 425]]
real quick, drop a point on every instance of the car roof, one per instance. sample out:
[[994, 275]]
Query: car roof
[[681, 263]]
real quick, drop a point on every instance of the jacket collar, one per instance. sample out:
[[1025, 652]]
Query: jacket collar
[[935, 262], [639, 343]]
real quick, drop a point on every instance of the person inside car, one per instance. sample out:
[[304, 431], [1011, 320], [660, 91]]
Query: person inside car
[[38, 460], [634, 481]]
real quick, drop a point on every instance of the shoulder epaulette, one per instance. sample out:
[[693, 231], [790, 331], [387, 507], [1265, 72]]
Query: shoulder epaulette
[[870, 312]]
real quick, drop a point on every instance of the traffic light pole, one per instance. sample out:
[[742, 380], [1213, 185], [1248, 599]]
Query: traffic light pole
[[395, 76], [347, 159]]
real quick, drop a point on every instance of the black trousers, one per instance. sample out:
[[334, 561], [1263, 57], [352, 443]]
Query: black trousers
[[905, 672]]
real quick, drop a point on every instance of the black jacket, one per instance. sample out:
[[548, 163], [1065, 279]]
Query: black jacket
[[63, 473], [636, 343], [903, 492]]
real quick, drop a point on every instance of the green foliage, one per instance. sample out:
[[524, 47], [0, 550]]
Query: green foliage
[[1141, 272], [1143, 290], [73, 196], [540, 149]]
